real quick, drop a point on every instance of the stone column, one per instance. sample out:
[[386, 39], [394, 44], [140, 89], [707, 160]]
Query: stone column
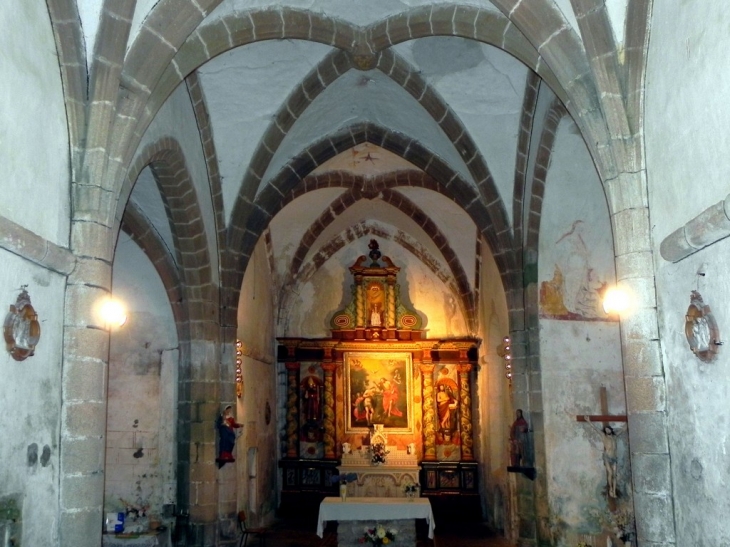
[[467, 441], [83, 391], [329, 410], [429, 412], [292, 410]]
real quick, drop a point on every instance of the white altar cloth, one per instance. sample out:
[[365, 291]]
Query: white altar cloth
[[375, 509]]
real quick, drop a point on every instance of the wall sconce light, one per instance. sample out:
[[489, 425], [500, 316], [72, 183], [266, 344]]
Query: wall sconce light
[[504, 350], [112, 313], [616, 300], [239, 368]]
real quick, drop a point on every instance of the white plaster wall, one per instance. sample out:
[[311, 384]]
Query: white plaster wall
[[293, 221], [360, 14], [34, 150], [577, 357], [484, 86], [575, 230], [366, 96], [491, 431], [312, 303], [176, 119], [244, 88], [458, 227], [147, 197], [142, 389], [89, 13], [30, 397], [256, 331], [686, 148]]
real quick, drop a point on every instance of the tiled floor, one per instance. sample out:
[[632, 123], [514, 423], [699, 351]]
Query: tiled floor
[[297, 533]]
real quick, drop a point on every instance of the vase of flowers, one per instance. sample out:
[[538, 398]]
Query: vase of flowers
[[343, 480], [412, 490], [378, 453], [378, 535]]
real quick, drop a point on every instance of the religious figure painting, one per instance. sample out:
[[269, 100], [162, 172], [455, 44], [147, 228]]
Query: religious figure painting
[[575, 291], [378, 391]]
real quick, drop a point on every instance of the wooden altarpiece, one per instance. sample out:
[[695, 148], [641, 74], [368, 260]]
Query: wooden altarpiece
[[378, 368]]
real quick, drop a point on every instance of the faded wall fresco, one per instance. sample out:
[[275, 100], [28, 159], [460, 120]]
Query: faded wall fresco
[[575, 290]]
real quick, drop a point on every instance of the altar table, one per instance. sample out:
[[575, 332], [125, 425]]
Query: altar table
[[375, 510], [147, 539]]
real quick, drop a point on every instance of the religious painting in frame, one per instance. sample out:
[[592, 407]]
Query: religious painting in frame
[[379, 390]]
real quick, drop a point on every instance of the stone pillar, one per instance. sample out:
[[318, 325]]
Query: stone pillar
[[83, 392], [292, 410], [429, 412], [205, 404], [329, 410], [467, 440]]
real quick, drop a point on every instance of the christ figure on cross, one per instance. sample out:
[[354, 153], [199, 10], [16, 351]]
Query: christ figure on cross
[[610, 455]]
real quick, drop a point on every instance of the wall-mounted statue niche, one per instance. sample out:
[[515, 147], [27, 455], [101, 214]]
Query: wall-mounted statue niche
[[376, 311], [700, 328]]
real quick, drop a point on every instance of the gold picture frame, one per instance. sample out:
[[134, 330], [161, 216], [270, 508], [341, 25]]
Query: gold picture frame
[[379, 390]]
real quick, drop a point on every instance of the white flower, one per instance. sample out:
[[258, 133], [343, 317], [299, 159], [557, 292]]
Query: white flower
[[381, 532], [392, 531]]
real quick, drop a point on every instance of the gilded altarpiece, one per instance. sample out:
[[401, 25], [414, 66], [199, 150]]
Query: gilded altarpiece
[[378, 372]]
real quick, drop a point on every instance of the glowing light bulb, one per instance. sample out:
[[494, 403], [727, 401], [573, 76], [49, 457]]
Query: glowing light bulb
[[113, 313], [616, 300]]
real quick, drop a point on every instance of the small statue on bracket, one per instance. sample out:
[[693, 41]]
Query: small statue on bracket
[[226, 425]]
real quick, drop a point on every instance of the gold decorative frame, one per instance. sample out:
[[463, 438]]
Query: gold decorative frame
[[386, 379], [21, 328], [700, 329]]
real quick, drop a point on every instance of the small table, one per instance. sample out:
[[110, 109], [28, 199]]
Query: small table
[[379, 510]]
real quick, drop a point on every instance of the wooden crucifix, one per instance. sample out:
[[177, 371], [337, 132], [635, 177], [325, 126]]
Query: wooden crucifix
[[608, 436]]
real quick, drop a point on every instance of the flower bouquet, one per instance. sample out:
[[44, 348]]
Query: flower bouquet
[[412, 490], [378, 535], [378, 453]]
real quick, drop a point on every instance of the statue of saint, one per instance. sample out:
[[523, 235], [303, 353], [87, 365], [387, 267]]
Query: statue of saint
[[226, 425], [518, 440]]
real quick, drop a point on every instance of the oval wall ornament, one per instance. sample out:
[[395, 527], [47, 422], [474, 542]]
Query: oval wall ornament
[[21, 328], [701, 329]]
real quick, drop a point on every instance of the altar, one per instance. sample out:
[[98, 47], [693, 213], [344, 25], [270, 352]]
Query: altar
[[386, 480], [354, 514]]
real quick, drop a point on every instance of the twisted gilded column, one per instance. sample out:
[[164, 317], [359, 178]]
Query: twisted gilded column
[[359, 302], [329, 410], [390, 320], [429, 413], [467, 440], [292, 410]]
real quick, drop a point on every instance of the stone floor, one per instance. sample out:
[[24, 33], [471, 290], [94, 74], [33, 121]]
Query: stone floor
[[296, 533]]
